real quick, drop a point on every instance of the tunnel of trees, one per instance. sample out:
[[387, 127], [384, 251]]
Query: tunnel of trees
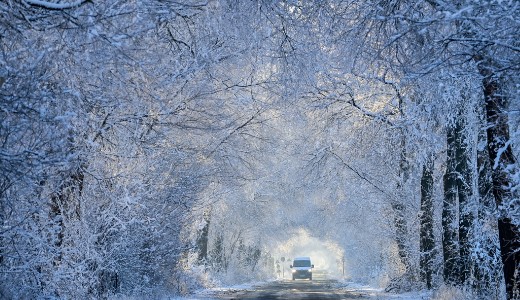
[[156, 147]]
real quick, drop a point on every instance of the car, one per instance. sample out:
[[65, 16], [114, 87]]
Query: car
[[302, 268]]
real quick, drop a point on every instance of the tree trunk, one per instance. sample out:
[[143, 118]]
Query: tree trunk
[[457, 193], [65, 205], [401, 229], [501, 159], [449, 214], [486, 265], [464, 197], [202, 241], [218, 256], [427, 241], [401, 233]]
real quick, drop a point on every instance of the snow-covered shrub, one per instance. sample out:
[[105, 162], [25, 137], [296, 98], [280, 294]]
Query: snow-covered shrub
[[447, 292]]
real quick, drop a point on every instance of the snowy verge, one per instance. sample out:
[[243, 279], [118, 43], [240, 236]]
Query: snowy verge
[[208, 293], [379, 293]]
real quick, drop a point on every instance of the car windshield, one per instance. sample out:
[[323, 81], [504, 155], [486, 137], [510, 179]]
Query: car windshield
[[302, 263]]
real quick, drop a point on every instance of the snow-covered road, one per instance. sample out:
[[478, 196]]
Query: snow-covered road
[[320, 288]]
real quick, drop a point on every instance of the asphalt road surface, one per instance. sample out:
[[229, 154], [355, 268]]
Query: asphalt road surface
[[320, 287]]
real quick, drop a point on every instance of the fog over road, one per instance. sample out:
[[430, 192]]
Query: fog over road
[[321, 287]]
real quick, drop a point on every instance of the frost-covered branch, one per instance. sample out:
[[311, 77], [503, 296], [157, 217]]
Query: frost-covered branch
[[58, 5]]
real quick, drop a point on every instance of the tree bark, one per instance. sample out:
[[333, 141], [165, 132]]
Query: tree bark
[[457, 209], [401, 229], [501, 159], [427, 241], [202, 241], [464, 197], [401, 233], [65, 205], [486, 265], [449, 214]]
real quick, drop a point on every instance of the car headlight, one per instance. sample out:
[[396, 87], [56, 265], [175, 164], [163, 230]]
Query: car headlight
[[293, 270]]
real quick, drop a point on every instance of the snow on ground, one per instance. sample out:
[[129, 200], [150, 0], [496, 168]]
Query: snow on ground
[[380, 294], [350, 287], [209, 293]]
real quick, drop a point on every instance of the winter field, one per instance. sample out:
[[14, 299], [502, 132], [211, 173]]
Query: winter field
[[193, 149]]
